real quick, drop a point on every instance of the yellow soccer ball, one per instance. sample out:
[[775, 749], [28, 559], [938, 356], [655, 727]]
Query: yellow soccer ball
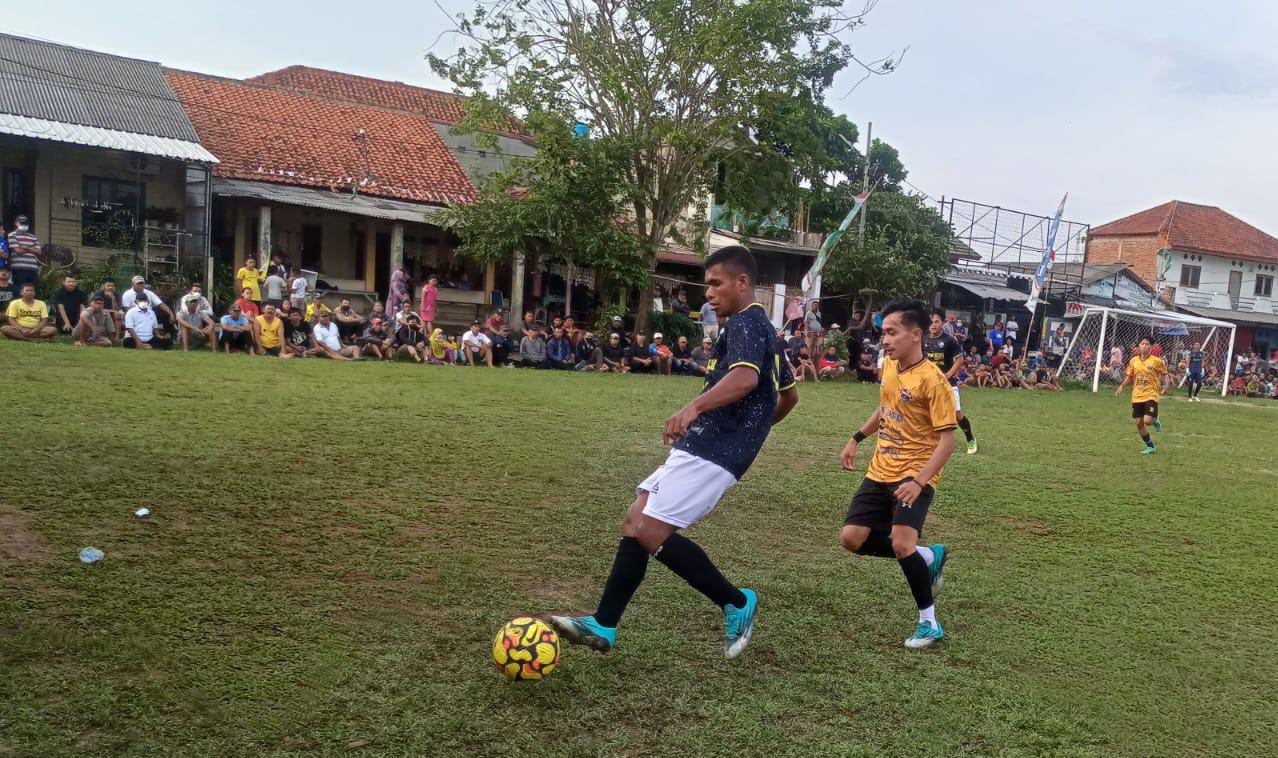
[[526, 649]]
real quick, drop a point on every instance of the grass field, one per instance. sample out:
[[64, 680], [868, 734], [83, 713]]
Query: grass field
[[334, 545]]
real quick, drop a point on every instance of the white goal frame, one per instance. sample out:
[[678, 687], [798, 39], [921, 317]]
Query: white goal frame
[[1103, 313]]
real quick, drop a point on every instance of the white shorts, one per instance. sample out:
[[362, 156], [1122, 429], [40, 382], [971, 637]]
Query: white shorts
[[684, 489], [958, 406]]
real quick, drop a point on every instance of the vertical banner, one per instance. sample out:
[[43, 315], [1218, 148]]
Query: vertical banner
[[1049, 256], [812, 279]]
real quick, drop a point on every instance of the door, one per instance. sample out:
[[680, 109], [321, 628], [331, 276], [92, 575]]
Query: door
[[312, 246], [382, 250], [1235, 288]]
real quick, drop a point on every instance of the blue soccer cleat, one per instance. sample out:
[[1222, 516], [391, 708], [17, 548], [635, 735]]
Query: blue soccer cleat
[[584, 630], [1149, 450], [927, 635], [939, 554], [739, 624]]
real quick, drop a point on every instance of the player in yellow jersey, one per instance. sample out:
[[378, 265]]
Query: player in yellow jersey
[[1149, 379], [914, 421]]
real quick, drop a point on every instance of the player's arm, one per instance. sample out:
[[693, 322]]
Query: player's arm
[[910, 490], [960, 361], [738, 383], [786, 400], [871, 426], [1127, 377]]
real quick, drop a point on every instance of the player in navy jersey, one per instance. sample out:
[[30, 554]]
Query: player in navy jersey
[[714, 438], [946, 352], [1194, 377]]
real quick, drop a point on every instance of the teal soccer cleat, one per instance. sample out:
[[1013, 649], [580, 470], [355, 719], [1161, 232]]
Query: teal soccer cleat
[[584, 630], [739, 624], [939, 554], [927, 635]]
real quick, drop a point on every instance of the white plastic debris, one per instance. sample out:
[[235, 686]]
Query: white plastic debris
[[91, 555], [142, 512]]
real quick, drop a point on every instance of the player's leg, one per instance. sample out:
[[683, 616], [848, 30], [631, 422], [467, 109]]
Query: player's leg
[[921, 565], [963, 423], [1138, 413], [1151, 416]]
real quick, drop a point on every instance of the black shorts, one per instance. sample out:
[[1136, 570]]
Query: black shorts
[[1147, 408], [875, 505], [274, 351]]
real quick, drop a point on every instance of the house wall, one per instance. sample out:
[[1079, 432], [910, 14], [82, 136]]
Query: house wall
[[1138, 251], [1214, 277]]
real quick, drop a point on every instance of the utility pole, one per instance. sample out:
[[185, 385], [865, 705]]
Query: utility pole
[[865, 179]]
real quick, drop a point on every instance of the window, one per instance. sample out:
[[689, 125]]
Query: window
[[312, 246], [1189, 276], [1264, 285], [16, 196], [110, 214]]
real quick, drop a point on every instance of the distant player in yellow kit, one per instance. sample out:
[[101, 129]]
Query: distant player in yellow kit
[[1149, 379]]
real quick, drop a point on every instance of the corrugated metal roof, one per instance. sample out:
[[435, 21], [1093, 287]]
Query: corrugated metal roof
[[1233, 317], [310, 197], [69, 85], [989, 291], [93, 136]]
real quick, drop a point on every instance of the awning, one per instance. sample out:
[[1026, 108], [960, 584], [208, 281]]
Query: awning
[[311, 197], [95, 136], [1233, 317], [685, 259], [989, 291]]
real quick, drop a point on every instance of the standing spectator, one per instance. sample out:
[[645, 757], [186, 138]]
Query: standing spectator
[[4, 251], [327, 342], [111, 304], [410, 340], [1056, 346], [249, 277], [709, 321], [585, 351], [297, 289], [24, 246], [8, 290], [68, 303], [612, 357], [349, 323], [641, 358], [996, 336], [398, 294], [248, 305], [196, 293], [277, 267], [97, 326], [268, 332], [1116, 366], [681, 358], [297, 336], [164, 316], [701, 356], [194, 326], [559, 352], [476, 344], [402, 316], [680, 305], [532, 351], [28, 318], [812, 322], [140, 325], [237, 331], [275, 285], [377, 340], [619, 329], [830, 367], [429, 304], [662, 352], [503, 346], [793, 315], [948, 326], [527, 328], [1013, 329], [443, 350]]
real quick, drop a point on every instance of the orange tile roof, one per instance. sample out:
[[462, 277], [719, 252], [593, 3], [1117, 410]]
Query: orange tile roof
[[1195, 228], [267, 134]]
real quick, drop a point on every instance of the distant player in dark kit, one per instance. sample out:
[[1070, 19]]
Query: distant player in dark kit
[[716, 436], [1148, 376], [1194, 376], [946, 352], [914, 421]]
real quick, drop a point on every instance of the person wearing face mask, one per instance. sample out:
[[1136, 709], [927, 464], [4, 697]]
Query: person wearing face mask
[[24, 246], [140, 325]]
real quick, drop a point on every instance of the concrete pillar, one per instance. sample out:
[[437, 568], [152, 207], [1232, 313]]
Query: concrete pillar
[[263, 234], [517, 289], [241, 233], [370, 257], [490, 282], [397, 246]]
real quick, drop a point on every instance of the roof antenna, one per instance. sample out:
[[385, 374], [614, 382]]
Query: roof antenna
[[361, 138]]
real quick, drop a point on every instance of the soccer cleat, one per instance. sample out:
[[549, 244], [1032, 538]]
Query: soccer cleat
[[1149, 450], [584, 630], [926, 635], [1158, 425], [939, 554], [739, 624], [971, 447]]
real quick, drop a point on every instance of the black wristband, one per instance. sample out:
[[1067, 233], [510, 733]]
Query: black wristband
[[858, 436]]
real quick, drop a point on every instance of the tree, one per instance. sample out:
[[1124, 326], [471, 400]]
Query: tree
[[679, 83], [905, 251]]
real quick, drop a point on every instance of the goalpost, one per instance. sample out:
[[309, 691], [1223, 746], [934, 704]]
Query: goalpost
[[1106, 338]]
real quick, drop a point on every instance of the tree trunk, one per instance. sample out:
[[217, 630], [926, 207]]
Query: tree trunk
[[644, 316]]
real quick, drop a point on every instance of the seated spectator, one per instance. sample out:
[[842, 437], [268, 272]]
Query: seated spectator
[[640, 356], [402, 315], [237, 331], [1238, 386], [163, 314], [681, 362], [286, 310], [612, 357], [618, 329], [585, 351], [495, 323], [68, 303], [1253, 385], [140, 326], [28, 318], [314, 310], [865, 370], [349, 323], [377, 340], [559, 352], [662, 352], [572, 331], [803, 365], [410, 340], [327, 342], [96, 327], [9, 291], [476, 345], [532, 351], [701, 356], [443, 351], [194, 326], [503, 346], [297, 336], [830, 367], [196, 293], [248, 306], [268, 332], [555, 323]]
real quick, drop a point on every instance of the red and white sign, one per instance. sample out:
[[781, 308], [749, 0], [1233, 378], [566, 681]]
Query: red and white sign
[[1073, 309]]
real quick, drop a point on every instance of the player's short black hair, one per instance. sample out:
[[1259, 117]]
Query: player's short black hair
[[736, 257], [1145, 338], [938, 312], [913, 312]]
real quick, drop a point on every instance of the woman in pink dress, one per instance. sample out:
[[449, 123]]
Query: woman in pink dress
[[430, 291]]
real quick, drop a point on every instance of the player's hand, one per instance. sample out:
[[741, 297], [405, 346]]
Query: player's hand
[[908, 492], [848, 457], [677, 425], [1118, 392]]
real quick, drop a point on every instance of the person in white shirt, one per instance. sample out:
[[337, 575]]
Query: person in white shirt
[[159, 310], [298, 290], [140, 324], [197, 294], [328, 343], [709, 322], [474, 344], [1012, 329], [274, 285]]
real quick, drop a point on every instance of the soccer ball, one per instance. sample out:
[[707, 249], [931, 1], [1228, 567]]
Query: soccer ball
[[526, 649]]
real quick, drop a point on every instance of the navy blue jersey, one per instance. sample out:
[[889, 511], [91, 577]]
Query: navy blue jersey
[[942, 351], [731, 436], [1196, 361]]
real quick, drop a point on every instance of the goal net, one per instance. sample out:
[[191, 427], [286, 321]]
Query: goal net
[[1106, 338]]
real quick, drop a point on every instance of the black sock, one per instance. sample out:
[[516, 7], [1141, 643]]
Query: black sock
[[628, 569], [919, 579], [966, 426], [878, 545], [1148, 441], [684, 557]]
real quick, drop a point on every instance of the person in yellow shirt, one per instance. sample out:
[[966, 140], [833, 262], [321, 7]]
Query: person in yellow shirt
[[1147, 373], [28, 318], [268, 332], [914, 421], [248, 276], [315, 309]]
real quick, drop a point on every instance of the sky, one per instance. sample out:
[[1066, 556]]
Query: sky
[[1124, 105]]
